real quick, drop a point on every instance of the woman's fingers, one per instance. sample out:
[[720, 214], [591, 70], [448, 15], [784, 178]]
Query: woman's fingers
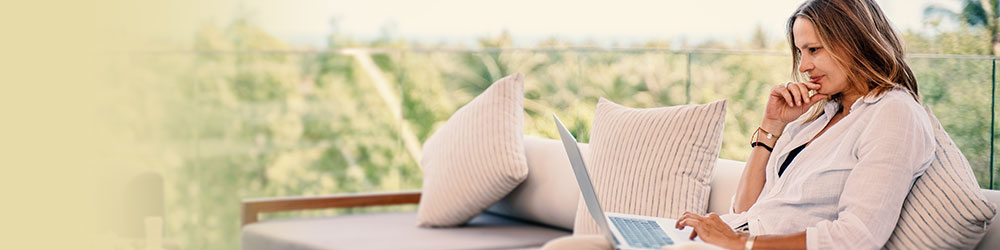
[[803, 92], [685, 216], [811, 86], [714, 216], [793, 91], [816, 98], [787, 95], [797, 93], [710, 227], [693, 222], [717, 221]]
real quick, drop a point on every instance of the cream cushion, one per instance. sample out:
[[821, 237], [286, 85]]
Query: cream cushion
[[550, 194], [393, 230], [476, 157], [653, 162], [945, 208]]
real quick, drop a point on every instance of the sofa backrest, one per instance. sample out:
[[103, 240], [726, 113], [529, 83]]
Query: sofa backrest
[[992, 238], [549, 195], [725, 177]]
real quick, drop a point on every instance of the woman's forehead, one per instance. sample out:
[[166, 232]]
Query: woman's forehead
[[804, 33]]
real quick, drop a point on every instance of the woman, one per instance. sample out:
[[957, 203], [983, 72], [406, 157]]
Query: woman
[[828, 170], [838, 174]]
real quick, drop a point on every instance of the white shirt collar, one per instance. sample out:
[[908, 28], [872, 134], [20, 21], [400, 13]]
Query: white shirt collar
[[871, 98]]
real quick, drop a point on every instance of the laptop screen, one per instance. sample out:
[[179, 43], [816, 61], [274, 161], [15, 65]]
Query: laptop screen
[[583, 179]]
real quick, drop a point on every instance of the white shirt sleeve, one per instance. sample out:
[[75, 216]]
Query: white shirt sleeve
[[892, 152]]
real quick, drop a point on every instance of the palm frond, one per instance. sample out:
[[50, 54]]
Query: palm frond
[[973, 13], [936, 10]]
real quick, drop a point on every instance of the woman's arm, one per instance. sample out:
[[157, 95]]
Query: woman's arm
[[787, 241], [753, 179], [714, 231], [785, 103]]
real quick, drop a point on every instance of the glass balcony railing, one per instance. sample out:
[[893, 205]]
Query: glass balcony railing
[[228, 125]]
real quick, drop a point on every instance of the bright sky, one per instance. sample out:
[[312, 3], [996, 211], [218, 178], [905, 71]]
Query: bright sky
[[308, 22]]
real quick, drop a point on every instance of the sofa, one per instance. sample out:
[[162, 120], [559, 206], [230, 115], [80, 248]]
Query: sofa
[[497, 228]]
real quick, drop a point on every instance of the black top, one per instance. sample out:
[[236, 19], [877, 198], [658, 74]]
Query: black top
[[791, 155]]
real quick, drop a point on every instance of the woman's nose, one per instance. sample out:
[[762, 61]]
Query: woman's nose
[[805, 65]]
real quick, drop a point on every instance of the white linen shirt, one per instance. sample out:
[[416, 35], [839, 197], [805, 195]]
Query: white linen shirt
[[845, 189]]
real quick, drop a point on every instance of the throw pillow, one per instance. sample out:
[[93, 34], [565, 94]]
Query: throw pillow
[[945, 208], [476, 157], [653, 162]]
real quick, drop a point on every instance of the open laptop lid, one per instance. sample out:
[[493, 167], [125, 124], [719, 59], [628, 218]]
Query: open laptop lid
[[583, 179]]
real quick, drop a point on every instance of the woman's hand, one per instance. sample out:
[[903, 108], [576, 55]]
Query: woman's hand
[[789, 101], [712, 230]]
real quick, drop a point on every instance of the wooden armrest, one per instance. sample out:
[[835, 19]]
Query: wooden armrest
[[253, 207]]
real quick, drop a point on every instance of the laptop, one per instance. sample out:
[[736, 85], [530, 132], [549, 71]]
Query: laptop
[[623, 231]]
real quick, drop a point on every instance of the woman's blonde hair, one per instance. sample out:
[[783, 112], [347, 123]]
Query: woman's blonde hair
[[861, 41]]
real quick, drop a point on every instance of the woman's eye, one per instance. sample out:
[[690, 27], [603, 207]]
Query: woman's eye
[[813, 50]]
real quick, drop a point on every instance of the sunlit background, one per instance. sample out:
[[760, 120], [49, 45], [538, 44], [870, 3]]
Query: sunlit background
[[246, 99]]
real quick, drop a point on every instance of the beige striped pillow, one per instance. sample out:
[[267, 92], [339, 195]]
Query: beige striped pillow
[[476, 158], [654, 162], [945, 208]]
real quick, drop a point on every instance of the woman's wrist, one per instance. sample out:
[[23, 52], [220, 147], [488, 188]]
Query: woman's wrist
[[748, 242], [773, 126], [741, 241], [767, 134]]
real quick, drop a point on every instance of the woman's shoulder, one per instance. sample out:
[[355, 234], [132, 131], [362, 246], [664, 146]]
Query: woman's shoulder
[[897, 105], [894, 99], [899, 120]]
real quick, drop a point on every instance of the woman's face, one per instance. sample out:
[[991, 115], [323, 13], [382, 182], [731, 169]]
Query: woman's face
[[817, 61]]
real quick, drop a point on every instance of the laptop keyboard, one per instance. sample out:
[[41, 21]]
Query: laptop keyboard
[[641, 233]]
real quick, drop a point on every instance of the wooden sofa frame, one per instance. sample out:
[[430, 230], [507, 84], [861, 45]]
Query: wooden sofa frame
[[254, 207]]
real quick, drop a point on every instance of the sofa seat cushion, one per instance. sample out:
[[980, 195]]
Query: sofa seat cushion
[[394, 231]]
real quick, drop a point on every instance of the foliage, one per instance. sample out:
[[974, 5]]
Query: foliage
[[236, 119], [974, 13]]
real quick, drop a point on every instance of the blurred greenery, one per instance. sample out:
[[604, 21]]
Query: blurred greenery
[[243, 114], [974, 13]]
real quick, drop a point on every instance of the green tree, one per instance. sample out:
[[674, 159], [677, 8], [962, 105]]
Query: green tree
[[976, 13], [759, 39]]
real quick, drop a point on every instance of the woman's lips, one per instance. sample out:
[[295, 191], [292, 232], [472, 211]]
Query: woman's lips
[[815, 79]]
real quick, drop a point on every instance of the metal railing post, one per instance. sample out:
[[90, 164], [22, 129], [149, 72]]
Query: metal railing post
[[687, 88], [993, 106]]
